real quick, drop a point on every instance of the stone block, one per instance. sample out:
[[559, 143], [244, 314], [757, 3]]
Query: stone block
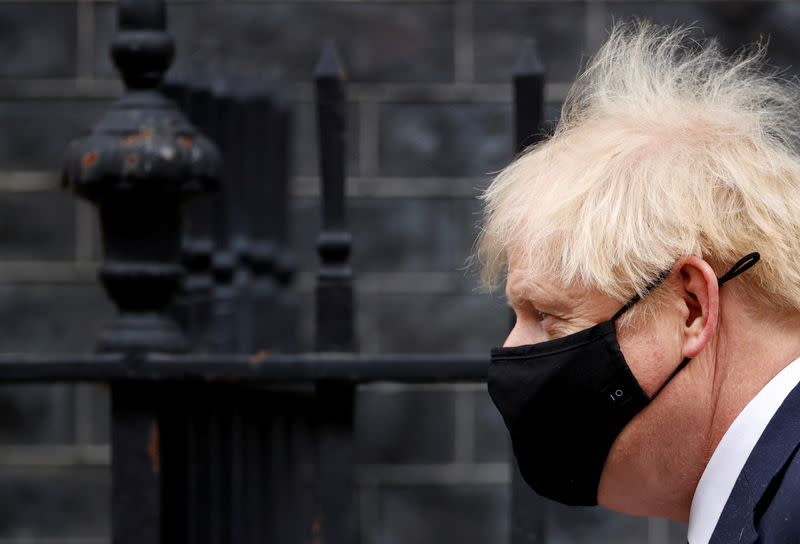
[[444, 139], [501, 29], [468, 217], [389, 235], [732, 23], [378, 42], [46, 318], [98, 399], [492, 443], [52, 318], [405, 427], [37, 226], [36, 414], [38, 39], [64, 503], [467, 514], [432, 323], [38, 131]]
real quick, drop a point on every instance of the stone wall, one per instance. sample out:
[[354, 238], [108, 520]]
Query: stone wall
[[430, 119]]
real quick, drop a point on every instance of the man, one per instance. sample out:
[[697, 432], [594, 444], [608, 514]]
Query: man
[[651, 247]]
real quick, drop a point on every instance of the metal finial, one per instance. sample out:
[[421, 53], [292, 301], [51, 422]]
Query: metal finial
[[528, 62], [142, 49], [329, 64], [528, 97], [141, 161]]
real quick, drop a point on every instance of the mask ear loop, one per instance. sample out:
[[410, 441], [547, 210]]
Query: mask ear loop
[[638, 296], [742, 265]]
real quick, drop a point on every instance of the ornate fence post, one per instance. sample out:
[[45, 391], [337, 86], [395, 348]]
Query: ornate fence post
[[138, 166], [528, 513], [335, 517], [194, 307]]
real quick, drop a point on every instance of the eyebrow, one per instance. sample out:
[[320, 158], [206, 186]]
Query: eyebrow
[[516, 298]]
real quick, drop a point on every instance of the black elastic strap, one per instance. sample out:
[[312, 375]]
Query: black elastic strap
[[742, 265], [638, 296], [672, 375]]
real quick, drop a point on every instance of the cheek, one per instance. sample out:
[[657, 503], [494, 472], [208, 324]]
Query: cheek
[[652, 352]]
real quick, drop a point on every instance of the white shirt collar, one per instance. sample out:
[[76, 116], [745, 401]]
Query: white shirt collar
[[729, 457]]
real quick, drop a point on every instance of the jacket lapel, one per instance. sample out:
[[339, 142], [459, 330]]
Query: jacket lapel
[[773, 450]]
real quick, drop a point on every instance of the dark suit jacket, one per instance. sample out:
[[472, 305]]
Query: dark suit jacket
[[764, 505]]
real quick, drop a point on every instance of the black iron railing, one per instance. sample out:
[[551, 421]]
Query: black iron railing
[[220, 434]]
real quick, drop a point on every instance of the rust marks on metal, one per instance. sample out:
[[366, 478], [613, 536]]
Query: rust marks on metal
[[153, 449], [89, 159], [316, 531], [258, 357], [185, 141], [142, 135]]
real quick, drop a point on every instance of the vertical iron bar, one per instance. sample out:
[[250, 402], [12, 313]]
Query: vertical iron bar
[[335, 330], [136, 510], [335, 520], [239, 144], [260, 183], [528, 510], [286, 326], [198, 243], [528, 98], [224, 259], [177, 91]]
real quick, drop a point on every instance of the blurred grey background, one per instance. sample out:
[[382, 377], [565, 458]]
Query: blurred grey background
[[430, 119]]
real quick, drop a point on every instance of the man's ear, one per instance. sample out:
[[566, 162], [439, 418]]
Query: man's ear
[[700, 303]]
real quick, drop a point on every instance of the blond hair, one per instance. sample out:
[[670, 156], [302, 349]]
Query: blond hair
[[665, 148]]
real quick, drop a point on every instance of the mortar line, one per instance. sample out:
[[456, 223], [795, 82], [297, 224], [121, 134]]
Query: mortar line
[[85, 47], [370, 509], [463, 41], [84, 231], [368, 138], [464, 429], [596, 13], [83, 413]]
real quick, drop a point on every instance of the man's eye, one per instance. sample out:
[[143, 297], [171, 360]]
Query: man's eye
[[542, 315]]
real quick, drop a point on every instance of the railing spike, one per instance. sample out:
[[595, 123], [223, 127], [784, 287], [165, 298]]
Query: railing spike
[[334, 520], [528, 62], [528, 97], [330, 63]]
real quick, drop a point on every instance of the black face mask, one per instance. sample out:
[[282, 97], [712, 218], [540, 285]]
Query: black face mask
[[565, 401]]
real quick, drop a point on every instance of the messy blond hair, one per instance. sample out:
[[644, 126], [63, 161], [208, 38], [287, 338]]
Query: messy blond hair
[[665, 148]]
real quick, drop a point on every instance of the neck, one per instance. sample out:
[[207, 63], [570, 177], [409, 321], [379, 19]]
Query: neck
[[658, 462], [746, 354], [739, 374]]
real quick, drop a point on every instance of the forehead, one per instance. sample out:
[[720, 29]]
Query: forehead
[[547, 291], [523, 283]]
